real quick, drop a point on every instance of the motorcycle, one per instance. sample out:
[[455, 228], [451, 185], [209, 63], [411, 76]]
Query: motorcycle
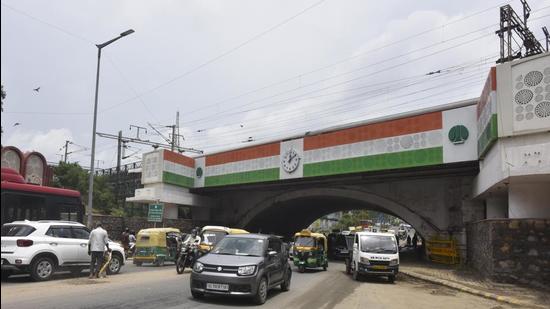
[[186, 257]]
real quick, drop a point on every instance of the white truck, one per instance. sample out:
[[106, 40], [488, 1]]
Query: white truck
[[374, 254]]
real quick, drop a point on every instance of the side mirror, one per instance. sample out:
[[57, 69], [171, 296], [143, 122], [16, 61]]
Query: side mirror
[[355, 247]]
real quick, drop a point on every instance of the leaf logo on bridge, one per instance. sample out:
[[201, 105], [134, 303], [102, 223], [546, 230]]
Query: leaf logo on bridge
[[458, 134]]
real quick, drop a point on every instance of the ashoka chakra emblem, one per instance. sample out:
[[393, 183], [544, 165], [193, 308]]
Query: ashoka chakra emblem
[[533, 78], [543, 109], [524, 96]]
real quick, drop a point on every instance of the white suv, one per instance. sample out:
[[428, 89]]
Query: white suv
[[43, 247]]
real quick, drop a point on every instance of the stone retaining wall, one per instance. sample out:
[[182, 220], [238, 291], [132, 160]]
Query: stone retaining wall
[[511, 250], [116, 225]]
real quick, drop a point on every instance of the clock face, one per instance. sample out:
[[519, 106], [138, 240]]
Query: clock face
[[290, 161]]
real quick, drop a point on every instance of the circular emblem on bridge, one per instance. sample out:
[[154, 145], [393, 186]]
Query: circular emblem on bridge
[[290, 160], [458, 134], [199, 172]]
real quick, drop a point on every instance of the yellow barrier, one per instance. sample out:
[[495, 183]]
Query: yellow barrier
[[442, 251]]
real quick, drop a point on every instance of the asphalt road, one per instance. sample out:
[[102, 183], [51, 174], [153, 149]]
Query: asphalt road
[[154, 287]]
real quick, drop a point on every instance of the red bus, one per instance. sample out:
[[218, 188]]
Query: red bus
[[22, 201]]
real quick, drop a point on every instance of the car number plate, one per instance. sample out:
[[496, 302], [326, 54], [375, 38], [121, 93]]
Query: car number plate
[[217, 286], [379, 267]]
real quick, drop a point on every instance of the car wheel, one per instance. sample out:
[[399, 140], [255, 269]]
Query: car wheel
[[325, 266], [391, 278], [285, 286], [348, 267], [261, 293], [115, 265], [42, 269], [197, 295]]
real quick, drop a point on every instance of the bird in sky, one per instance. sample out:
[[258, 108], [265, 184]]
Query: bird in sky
[[36, 89], [16, 124]]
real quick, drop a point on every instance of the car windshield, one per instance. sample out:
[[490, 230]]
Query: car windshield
[[378, 244], [212, 237], [17, 230], [302, 241], [240, 246]]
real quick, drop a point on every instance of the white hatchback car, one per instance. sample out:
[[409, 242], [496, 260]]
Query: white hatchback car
[[42, 247]]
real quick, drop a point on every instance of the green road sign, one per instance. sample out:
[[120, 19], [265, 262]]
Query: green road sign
[[155, 212]]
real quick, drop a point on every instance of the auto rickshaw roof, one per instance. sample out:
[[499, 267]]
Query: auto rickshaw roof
[[226, 229], [160, 230], [307, 233], [238, 231]]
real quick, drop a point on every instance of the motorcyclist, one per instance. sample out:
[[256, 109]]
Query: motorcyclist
[[131, 243]]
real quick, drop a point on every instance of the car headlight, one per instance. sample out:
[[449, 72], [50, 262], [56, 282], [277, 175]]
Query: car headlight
[[198, 267], [394, 262], [246, 270], [364, 260]]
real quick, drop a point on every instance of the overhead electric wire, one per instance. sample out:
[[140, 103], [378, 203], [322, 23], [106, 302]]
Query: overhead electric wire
[[373, 93], [282, 134], [226, 53], [340, 61], [343, 108], [409, 61]]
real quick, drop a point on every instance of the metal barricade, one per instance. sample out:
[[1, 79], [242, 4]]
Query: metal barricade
[[442, 251]]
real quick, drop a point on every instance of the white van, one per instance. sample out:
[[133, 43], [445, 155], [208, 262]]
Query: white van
[[375, 254]]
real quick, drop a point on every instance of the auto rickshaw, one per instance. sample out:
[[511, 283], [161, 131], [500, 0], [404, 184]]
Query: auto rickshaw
[[157, 245], [211, 234], [310, 250]]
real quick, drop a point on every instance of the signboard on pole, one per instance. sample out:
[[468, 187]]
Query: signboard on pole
[[156, 212]]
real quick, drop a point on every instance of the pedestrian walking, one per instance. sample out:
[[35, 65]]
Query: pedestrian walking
[[415, 240], [99, 240], [408, 240], [125, 240]]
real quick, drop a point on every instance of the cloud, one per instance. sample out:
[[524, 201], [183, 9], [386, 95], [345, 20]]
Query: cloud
[[47, 143]]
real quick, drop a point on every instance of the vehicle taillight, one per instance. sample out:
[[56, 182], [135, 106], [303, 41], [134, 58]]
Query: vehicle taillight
[[24, 242]]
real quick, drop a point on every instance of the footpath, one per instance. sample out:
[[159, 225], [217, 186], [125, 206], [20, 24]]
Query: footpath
[[463, 279]]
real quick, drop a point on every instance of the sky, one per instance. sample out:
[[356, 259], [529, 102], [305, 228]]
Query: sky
[[239, 72]]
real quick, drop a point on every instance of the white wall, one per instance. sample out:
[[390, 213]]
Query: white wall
[[497, 207], [467, 151], [515, 156], [170, 211], [529, 200]]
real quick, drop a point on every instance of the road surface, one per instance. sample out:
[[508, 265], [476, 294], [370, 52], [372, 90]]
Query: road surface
[[153, 287]]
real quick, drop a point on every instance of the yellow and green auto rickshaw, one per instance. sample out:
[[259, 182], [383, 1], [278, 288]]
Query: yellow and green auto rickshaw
[[157, 245], [211, 234], [310, 250]]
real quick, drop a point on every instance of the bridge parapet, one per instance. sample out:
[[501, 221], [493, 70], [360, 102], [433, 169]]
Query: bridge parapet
[[424, 138]]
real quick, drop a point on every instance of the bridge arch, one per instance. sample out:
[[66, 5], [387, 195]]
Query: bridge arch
[[290, 211]]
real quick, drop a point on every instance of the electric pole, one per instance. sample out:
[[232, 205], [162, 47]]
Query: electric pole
[[66, 150]]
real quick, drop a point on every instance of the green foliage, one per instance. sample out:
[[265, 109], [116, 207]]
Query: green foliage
[[354, 218], [73, 176]]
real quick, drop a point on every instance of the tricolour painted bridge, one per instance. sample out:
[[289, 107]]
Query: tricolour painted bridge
[[437, 168]]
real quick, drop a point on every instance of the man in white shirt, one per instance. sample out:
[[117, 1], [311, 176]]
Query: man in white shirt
[[99, 239]]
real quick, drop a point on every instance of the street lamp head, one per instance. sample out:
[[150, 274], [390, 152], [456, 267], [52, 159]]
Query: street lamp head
[[125, 33]]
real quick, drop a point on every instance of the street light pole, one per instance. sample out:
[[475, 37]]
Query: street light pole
[[92, 161]]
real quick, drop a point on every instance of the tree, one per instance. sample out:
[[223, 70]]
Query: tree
[[73, 176]]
